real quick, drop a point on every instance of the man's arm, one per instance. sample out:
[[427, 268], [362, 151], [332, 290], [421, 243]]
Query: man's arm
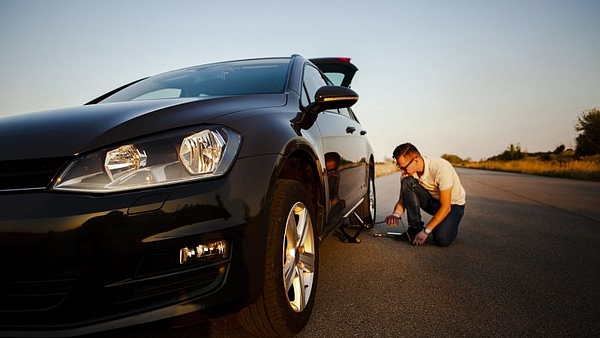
[[443, 211], [393, 219]]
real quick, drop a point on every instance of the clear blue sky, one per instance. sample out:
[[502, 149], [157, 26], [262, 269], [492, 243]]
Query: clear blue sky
[[459, 77]]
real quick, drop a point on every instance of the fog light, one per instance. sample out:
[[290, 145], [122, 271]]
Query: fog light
[[215, 250]]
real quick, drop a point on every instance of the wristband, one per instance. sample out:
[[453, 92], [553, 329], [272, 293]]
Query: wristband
[[396, 215]]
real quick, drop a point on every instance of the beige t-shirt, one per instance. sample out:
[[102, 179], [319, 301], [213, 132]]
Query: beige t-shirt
[[439, 175]]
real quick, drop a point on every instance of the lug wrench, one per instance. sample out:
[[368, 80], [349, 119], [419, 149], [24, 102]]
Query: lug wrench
[[392, 233]]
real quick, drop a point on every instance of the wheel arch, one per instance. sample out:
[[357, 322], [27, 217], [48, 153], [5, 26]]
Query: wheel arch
[[301, 163]]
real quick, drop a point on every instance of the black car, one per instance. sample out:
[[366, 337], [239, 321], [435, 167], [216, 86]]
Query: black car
[[205, 191]]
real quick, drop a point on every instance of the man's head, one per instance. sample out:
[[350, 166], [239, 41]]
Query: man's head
[[332, 162], [407, 158]]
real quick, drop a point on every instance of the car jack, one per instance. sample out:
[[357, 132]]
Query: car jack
[[353, 238]]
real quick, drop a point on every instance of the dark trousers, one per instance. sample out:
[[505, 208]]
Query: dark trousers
[[415, 198]]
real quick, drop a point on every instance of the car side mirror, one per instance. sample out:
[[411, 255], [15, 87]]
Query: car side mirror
[[332, 97], [326, 97]]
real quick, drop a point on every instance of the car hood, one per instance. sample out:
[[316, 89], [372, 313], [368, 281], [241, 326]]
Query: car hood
[[70, 131]]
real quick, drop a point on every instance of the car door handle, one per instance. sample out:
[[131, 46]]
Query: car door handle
[[350, 130]]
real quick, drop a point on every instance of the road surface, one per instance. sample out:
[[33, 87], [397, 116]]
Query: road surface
[[526, 264]]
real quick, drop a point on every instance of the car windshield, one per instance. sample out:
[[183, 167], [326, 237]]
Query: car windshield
[[261, 76]]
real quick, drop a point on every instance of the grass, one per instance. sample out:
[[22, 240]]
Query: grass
[[587, 169], [385, 168]]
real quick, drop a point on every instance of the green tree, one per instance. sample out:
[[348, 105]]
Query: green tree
[[559, 150], [513, 152], [588, 125]]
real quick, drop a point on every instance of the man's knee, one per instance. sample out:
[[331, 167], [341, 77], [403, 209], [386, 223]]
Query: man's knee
[[409, 183], [442, 241], [445, 235]]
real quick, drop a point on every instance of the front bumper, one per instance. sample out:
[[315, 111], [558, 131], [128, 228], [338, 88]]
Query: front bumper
[[76, 264]]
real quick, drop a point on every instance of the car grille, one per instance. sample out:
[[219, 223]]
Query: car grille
[[166, 288], [33, 295], [55, 301], [29, 174]]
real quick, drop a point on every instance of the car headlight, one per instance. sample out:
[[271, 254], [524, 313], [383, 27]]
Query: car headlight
[[168, 158]]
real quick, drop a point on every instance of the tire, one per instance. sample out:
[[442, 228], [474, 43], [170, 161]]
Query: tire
[[291, 266], [367, 208]]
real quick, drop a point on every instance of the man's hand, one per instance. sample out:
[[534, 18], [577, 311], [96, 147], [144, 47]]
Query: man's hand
[[392, 220], [420, 238]]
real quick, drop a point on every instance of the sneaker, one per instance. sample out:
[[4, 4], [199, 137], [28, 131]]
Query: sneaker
[[408, 235]]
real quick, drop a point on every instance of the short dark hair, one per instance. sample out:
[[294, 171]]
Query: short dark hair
[[405, 148]]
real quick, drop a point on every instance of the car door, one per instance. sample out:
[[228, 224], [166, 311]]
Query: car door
[[345, 148]]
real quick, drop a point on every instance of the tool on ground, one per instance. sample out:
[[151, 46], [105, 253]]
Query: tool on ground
[[394, 234]]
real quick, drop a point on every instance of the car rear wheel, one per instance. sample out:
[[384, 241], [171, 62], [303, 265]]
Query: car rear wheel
[[366, 210], [291, 268], [371, 202]]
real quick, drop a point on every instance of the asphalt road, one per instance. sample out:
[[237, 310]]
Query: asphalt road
[[526, 264]]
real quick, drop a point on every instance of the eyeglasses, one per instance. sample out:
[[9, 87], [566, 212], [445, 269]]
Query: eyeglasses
[[403, 168]]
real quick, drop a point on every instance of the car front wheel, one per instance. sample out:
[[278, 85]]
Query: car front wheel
[[291, 269]]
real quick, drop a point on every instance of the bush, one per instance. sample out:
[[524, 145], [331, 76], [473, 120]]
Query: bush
[[512, 153], [453, 159]]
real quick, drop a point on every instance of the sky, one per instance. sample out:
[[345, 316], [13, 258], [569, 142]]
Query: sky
[[461, 77]]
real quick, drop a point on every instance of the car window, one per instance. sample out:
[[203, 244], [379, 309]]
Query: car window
[[166, 93], [345, 112], [335, 78], [311, 82], [246, 77], [348, 113]]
